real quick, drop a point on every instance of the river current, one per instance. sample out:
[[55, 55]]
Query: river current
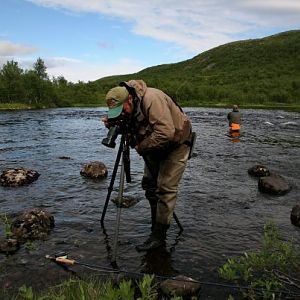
[[219, 205]]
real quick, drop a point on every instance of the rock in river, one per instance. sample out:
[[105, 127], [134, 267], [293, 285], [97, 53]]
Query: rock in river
[[295, 215], [273, 184], [95, 169], [33, 224], [18, 177]]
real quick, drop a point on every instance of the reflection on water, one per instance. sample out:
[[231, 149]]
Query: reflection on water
[[219, 205]]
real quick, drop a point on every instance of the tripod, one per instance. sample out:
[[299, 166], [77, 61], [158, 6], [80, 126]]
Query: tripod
[[125, 169]]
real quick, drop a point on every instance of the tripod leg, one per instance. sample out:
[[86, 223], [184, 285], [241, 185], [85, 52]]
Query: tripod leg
[[177, 221], [120, 196], [113, 177]]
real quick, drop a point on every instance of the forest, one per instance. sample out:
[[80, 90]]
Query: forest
[[252, 73]]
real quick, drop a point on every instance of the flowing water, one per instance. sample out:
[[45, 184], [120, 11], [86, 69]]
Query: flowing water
[[219, 204]]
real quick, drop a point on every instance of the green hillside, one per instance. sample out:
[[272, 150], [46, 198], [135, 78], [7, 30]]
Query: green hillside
[[252, 72]]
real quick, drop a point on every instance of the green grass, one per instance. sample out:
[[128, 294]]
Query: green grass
[[13, 106], [93, 288], [274, 268]]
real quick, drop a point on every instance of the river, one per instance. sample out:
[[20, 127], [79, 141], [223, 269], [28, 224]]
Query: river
[[219, 205]]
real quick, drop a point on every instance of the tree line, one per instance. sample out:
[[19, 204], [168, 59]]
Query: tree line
[[34, 88]]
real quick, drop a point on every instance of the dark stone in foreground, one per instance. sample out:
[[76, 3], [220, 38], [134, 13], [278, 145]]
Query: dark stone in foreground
[[18, 177], [182, 286], [258, 171], [94, 170], [33, 224], [273, 184], [295, 215]]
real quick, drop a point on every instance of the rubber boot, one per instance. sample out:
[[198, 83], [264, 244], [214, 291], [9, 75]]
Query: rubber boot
[[153, 217], [156, 239]]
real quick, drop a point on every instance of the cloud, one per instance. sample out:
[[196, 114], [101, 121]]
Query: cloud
[[75, 70], [194, 25], [8, 49]]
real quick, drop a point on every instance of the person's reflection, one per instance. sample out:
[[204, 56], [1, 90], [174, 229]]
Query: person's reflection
[[159, 262], [235, 135]]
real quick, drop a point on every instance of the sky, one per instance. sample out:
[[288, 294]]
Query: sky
[[84, 40]]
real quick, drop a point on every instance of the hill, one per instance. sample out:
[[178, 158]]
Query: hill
[[251, 72]]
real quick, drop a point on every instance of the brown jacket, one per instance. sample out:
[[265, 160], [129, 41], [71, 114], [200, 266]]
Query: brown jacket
[[160, 125]]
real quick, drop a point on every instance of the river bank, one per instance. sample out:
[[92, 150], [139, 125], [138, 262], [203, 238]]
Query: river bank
[[293, 108]]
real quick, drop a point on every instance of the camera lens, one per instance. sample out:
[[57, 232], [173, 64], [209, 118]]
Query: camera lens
[[110, 140]]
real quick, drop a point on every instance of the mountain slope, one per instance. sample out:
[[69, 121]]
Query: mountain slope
[[258, 71]]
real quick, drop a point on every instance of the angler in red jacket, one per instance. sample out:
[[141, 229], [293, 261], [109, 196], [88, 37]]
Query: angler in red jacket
[[163, 138]]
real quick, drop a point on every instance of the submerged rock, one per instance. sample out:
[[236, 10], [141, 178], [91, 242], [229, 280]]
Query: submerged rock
[[295, 215], [126, 201], [94, 170], [258, 171], [18, 177], [33, 224], [9, 246], [181, 286], [273, 184]]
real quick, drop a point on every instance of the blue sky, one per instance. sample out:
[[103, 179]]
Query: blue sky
[[90, 39]]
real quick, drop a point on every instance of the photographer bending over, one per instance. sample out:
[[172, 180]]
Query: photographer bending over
[[162, 134]]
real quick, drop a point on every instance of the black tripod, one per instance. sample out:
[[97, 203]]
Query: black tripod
[[125, 169]]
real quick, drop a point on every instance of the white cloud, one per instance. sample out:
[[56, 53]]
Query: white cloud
[[8, 49], [75, 70], [195, 25]]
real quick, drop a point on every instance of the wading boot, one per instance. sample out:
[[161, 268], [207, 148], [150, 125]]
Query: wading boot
[[153, 217], [156, 239]]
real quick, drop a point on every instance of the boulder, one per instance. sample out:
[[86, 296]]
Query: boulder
[[258, 171], [181, 286], [94, 170], [295, 215], [33, 224], [18, 177], [273, 184]]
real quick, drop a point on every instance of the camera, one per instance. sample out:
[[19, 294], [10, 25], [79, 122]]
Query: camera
[[118, 126], [110, 140]]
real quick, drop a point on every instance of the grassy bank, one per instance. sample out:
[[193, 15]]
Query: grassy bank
[[273, 272]]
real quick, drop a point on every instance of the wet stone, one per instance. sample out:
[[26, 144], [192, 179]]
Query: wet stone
[[295, 215], [18, 177], [94, 170], [125, 202], [33, 224], [181, 286], [9, 246], [273, 184], [259, 171]]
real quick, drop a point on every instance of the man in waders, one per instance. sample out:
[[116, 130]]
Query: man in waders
[[235, 120], [162, 133]]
